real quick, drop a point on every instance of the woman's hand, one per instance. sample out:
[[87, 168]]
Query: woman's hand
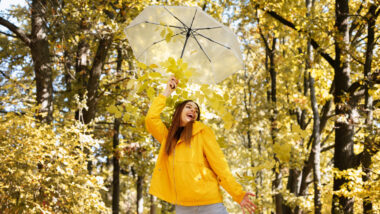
[[246, 203], [171, 86]]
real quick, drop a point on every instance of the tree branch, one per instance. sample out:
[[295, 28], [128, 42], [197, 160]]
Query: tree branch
[[7, 34], [15, 112], [5, 75], [264, 39], [356, 97], [376, 102], [354, 58], [355, 22], [354, 86], [16, 30], [315, 45], [116, 82], [372, 79], [324, 149], [327, 137], [111, 124]]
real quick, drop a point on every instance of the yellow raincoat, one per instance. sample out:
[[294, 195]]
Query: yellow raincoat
[[191, 174]]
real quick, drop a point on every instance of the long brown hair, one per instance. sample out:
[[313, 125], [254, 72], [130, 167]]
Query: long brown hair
[[176, 131]]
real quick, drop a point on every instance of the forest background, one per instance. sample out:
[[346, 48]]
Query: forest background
[[299, 124]]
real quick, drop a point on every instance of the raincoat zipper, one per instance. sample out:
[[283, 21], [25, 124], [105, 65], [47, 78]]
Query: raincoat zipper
[[175, 190]]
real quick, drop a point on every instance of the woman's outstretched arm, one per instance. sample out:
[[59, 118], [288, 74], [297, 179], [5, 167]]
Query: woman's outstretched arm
[[219, 165]]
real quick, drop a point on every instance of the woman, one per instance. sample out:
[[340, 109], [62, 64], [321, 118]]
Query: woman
[[190, 164]]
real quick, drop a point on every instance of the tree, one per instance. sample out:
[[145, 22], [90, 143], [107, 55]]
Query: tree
[[344, 157], [37, 41]]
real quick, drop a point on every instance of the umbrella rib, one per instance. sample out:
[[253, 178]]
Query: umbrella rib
[[212, 40], [200, 46], [184, 25], [206, 28], [173, 26], [159, 42], [188, 33], [184, 45], [192, 21]]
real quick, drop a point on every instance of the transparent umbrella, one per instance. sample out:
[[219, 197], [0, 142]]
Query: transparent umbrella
[[160, 32]]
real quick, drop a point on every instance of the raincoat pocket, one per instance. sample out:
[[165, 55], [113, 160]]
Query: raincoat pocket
[[189, 183]]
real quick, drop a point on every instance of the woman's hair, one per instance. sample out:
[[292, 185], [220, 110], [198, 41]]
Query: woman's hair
[[176, 131]]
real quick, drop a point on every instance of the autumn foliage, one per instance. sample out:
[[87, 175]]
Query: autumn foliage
[[299, 124]]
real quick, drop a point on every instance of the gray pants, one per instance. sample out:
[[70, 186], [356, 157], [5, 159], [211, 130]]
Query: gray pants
[[204, 209]]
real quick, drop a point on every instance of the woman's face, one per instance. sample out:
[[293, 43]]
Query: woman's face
[[189, 113]]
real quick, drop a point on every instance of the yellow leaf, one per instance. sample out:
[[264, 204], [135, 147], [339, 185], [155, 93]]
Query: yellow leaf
[[163, 32], [225, 96], [126, 117], [371, 92], [169, 35], [180, 61], [233, 102], [118, 114], [188, 74], [228, 120], [205, 90], [282, 151], [165, 64], [130, 84], [141, 65], [155, 74], [171, 60], [112, 109], [153, 66], [173, 68], [170, 31], [150, 93], [183, 66]]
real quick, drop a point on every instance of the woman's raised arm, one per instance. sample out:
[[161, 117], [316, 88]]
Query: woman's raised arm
[[170, 86], [153, 121]]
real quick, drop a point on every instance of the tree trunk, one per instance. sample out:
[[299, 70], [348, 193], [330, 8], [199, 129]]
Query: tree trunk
[[41, 58], [116, 164], [316, 149], [259, 178], [344, 128], [305, 179], [272, 99], [139, 196], [82, 70], [277, 183], [153, 209], [308, 166], [247, 107], [93, 82], [295, 175], [39, 46], [294, 181], [116, 168], [366, 157]]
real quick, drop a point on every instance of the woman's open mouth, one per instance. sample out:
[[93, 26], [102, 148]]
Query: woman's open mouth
[[190, 116]]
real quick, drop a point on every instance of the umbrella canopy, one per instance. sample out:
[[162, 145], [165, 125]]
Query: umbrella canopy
[[160, 32]]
